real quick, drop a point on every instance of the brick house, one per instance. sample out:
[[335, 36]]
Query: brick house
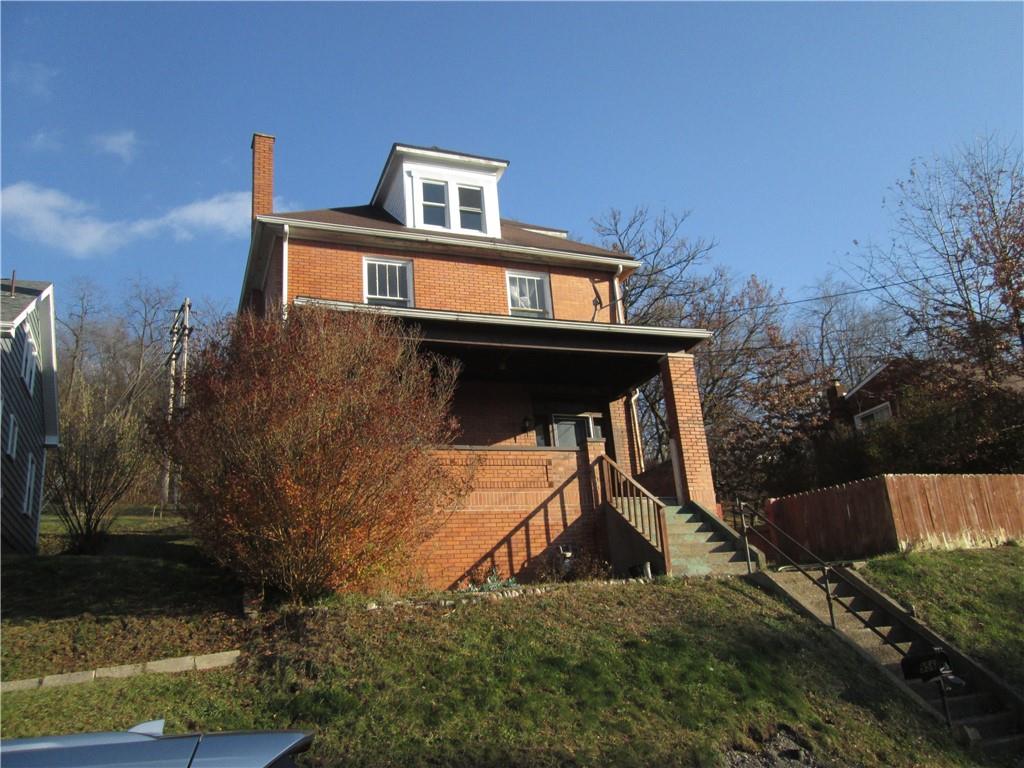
[[549, 365]]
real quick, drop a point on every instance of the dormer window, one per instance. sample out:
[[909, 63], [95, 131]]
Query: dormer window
[[471, 208], [435, 203], [388, 282], [440, 190]]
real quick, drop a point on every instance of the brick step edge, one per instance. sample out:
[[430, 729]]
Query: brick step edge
[[159, 666]]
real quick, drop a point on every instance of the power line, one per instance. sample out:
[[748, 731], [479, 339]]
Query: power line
[[854, 291]]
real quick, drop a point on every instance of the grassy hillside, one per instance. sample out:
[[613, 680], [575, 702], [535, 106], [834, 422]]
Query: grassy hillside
[[676, 673], [973, 597]]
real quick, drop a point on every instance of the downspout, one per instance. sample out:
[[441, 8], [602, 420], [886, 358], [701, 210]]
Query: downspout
[[284, 274], [634, 425]]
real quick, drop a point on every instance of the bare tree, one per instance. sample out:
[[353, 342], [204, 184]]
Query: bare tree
[[955, 266], [110, 364], [666, 281], [846, 334]]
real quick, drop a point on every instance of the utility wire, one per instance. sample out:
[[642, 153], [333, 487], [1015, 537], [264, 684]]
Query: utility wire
[[856, 291]]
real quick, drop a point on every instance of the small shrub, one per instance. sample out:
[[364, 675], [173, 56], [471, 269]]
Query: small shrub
[[492, 582], [307, 449]]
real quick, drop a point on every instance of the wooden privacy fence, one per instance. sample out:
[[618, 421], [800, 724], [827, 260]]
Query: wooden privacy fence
[[892, 513]]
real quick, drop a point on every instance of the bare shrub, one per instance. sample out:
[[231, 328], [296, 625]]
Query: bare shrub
[[306, 449]]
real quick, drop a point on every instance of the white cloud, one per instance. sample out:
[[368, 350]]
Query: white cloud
[[33, 77], [123, 144], [45, 141], [52, 218]]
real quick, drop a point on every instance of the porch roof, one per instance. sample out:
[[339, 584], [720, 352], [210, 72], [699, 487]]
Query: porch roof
[[605, 358]]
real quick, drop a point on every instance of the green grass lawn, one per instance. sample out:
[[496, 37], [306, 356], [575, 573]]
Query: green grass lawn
[[149, 595], [974, 598], [673, 673]]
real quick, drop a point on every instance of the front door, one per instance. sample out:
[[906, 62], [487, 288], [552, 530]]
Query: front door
[[570, 431]]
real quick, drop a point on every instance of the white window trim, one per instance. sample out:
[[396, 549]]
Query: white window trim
[[885, 408], [11, 446], [29, 356], [545, 278], [481, 210], [30, 485], [422, 205], [588, 418], [407, 263]]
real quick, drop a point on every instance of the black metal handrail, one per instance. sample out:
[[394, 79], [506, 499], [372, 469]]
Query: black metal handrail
[[825, 568]]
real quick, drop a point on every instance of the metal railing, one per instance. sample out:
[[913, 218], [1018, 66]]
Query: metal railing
[[638, 506], [829, 574]]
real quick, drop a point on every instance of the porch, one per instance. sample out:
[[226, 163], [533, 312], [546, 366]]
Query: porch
[[547, 420]]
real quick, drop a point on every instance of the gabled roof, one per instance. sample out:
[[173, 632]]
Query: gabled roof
[[13, 309], [29, 295], [515, 234]]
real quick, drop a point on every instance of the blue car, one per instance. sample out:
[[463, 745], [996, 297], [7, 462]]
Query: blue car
[[146, 746]]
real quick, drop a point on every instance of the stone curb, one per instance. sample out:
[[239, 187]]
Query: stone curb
[[158, 666]]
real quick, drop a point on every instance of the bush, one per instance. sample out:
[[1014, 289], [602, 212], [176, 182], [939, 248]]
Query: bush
[[305, 449]]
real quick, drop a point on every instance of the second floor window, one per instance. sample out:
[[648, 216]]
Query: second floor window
[[28, 363], [528, 294], [471, 208], [388, 282], [435, 203]]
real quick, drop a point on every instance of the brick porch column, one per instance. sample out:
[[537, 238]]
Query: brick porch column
[[623, 448], [686, 427], [589, 476]]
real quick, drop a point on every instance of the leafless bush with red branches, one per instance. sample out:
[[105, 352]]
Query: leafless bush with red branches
[[306, 449]]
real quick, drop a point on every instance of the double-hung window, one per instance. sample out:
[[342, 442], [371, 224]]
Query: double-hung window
[[435, 203], [471, 208], [529, 294], [388, 282], [28, 363]]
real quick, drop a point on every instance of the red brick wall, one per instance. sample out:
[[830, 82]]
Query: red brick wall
[[524, 504], [492, 413], [459, 283]]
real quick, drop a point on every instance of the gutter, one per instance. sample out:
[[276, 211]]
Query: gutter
[[490, 245], [522, 322]]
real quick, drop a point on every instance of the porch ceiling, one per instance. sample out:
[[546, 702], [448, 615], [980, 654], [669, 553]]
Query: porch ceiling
[[603, 376], [554, 355]]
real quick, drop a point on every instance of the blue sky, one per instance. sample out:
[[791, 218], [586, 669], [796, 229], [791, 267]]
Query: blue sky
[[126, 127]]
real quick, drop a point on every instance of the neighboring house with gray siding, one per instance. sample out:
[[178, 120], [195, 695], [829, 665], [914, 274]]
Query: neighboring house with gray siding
[[28, 406]]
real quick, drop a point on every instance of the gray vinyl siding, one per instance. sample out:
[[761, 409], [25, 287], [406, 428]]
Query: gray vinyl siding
[[19, 531]]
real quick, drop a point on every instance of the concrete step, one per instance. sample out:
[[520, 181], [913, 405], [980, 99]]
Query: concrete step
[[1011, 745], [696, 535], [990, 725], [703, 568], [966, 705], [705, 547]]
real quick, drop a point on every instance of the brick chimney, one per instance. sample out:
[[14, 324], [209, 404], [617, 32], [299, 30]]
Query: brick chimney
[[835, 394], [262, 174]]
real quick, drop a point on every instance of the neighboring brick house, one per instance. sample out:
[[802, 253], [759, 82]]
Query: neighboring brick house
[[549, 367], [28, 406]]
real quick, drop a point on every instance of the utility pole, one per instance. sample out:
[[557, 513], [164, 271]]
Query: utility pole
[[179, 332]]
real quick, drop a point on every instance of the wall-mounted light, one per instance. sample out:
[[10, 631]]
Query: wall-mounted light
[[527, 424]]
